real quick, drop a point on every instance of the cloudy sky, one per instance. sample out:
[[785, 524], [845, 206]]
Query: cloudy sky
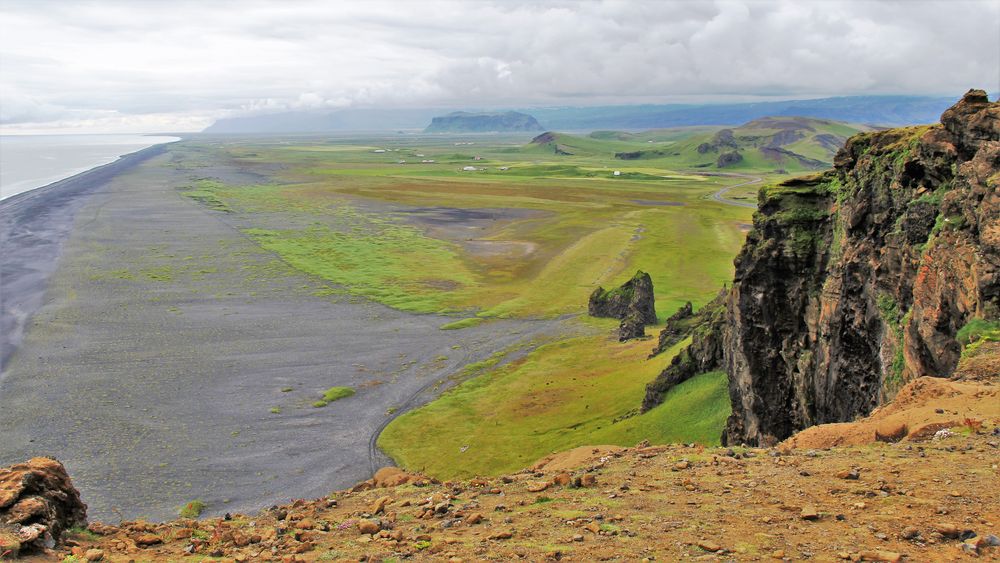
[[178, 65]]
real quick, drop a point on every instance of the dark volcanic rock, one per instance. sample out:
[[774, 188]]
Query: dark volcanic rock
[[37, 504], [703, 355], [678, 326], [634, 296], [854, 281], [632, 326]]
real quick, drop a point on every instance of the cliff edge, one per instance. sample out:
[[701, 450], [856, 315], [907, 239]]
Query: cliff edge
[[857, 280]]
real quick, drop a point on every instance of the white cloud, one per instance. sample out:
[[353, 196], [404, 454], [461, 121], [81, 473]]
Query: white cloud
[[182, 62]]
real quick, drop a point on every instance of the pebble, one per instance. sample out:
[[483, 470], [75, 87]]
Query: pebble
[[809, 512], [709, 545], [879, 555], [910, 533], [850, 474], [368, 527]]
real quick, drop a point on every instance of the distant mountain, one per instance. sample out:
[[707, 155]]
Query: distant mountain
[[326, 121], [465, 122], [874, 110]]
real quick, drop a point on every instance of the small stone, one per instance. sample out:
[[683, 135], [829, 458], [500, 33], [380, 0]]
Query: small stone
[[709, 545], [593, 527], [879, 555], [93, 555], [850, 474], [563, 479], [379, 505], [504, 535], [682, 465], [948, 530], [474, 519], [910, 533], [809, 512], [368, 527], [779, 554], [577, 537], [146, 540], [538, 487]]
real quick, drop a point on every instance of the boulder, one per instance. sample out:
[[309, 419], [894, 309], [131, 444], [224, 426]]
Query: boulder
[[37, 504], [632, 326], [634, 296]]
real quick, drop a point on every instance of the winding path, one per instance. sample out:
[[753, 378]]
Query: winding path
[[720, 196]]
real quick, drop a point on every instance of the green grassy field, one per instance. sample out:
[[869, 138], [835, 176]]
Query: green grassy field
[[528, 234], [560, 396]]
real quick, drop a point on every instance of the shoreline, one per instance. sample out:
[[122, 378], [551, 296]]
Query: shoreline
[[171, 358], [33, 226]]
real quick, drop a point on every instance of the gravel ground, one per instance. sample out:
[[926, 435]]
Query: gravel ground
[[166, 339]]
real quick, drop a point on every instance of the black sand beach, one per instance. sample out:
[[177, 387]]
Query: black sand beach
[[164, 339]]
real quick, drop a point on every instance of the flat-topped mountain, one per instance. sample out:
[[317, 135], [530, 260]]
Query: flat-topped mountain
[[465, 122]]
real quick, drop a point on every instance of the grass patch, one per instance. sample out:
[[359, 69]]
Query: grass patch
[[333, 394], [560, 396], [976, 329], [463, 323], [193, 509]]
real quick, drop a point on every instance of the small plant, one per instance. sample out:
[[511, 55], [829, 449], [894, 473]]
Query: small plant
[[81, 531], [974, 425], [275, 410], [333, 394], [286, 389], [193, 509], [543, 500], [422, 545], [976, 329]]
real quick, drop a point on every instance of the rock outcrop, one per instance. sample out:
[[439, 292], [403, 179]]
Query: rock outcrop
[[633, 303], [37, 504], [857, 280]]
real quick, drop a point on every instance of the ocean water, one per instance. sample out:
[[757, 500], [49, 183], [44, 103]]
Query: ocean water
[[32, 161]]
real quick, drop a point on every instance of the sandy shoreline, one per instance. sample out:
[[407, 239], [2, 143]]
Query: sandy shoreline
[[33, 226], [174, 359]]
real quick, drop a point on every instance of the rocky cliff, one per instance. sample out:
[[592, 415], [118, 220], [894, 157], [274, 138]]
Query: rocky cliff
[[859, 279]]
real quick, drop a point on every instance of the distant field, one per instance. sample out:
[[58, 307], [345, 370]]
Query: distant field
[[528, 233]]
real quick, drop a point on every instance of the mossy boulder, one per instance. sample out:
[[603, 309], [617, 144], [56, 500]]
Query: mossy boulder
[[634, 297]]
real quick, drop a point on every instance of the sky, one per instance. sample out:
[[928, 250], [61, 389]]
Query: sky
[[177, 65]]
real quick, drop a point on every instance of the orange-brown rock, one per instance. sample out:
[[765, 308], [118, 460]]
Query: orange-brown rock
[[37, 504]]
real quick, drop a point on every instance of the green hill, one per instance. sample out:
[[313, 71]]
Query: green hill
[[791, 144]]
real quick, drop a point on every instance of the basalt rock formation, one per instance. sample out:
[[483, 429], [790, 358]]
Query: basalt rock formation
[[632, 303], [37, 504], [857, 280]]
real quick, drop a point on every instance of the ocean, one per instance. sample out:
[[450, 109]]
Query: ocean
[[32, 161]]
